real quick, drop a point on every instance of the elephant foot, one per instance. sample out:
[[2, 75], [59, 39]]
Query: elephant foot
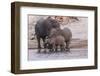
[[51, 50], [56, 51], [45, 51], [39, 50], [68, 49]]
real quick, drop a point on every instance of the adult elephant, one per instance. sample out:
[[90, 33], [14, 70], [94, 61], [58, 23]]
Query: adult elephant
[[42, 29]]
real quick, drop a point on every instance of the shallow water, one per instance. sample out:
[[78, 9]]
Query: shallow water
[[73, 54]]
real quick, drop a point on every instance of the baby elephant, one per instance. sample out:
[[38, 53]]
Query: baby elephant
[[65, 33], [56, 42]]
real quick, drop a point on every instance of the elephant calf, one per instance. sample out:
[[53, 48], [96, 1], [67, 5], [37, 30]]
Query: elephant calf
[[55, 42], [61, 37]]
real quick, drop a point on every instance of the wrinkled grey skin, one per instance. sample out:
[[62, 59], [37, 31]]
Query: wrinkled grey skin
[[66, 33], [42, 29]]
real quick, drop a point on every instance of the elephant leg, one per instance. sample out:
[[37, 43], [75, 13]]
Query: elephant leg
[[56, 48], [44, 45], [50, 48], [67, 46], [62, 48], [39, 45], [44, 42]]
